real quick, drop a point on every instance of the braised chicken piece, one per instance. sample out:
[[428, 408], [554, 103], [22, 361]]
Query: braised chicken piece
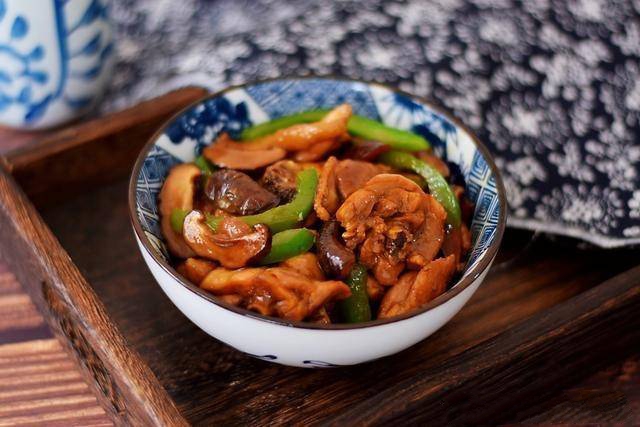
[[429, 238], [324, 221], [275, 291], [195, 269], [375, 291], [392, 224], [327, 201], [352, 175], [339, 179], [302, 137], [320, 149], [305, 264], [416, 288], [227, 153], [177, 193]]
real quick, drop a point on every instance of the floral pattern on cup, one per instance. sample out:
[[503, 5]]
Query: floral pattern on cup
[[55, 58]]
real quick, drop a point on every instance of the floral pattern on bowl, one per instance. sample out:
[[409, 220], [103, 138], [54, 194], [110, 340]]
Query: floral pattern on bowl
[[301, 344]]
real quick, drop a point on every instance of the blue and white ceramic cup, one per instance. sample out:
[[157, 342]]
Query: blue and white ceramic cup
[[55, 60]]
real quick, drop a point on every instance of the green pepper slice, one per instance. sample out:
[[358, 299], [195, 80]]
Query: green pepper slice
[[360, 126], [438, 186], [285, 216], [356, 308], [206, 167], [396, 138], [289, 243], [177, 219]]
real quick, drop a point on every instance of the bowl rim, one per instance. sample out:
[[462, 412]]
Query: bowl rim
[[481, 265]]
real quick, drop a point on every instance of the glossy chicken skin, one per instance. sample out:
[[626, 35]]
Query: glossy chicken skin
[[276, 291], [392, 224], [304, 136], [228, 153], [339, 179], [416, 288], [196, 269], [305, 264], [351, 175]]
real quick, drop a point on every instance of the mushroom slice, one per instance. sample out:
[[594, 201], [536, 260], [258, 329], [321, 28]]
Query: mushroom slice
[[416, 288], [335, 258], [236, 193], [234, 244], [177, 192], [280, 178], [275, 291], [225, 152]]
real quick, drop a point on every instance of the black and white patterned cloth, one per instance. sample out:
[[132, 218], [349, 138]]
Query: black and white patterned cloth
[[551, 86]]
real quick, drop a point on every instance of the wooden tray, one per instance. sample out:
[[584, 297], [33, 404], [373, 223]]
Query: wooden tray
[[546, 316]]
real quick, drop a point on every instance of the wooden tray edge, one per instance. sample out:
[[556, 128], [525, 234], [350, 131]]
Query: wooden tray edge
[[125, 386], [92, 153], [612, 303]]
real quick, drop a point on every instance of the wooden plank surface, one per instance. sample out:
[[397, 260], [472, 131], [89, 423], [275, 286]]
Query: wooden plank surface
[[39, 382], [609, 396], [213, 383], [128, 390], [216, 384], [77, 158], [522, 365]]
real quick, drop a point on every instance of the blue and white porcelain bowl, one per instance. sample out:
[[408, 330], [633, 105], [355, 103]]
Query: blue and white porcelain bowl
[[295, 343], [55, 60]]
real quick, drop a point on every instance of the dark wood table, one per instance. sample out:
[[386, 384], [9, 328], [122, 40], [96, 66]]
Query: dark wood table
[[40, 384]]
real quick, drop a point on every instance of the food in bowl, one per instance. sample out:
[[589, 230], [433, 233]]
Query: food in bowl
[[323, 216], [183, 138]]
